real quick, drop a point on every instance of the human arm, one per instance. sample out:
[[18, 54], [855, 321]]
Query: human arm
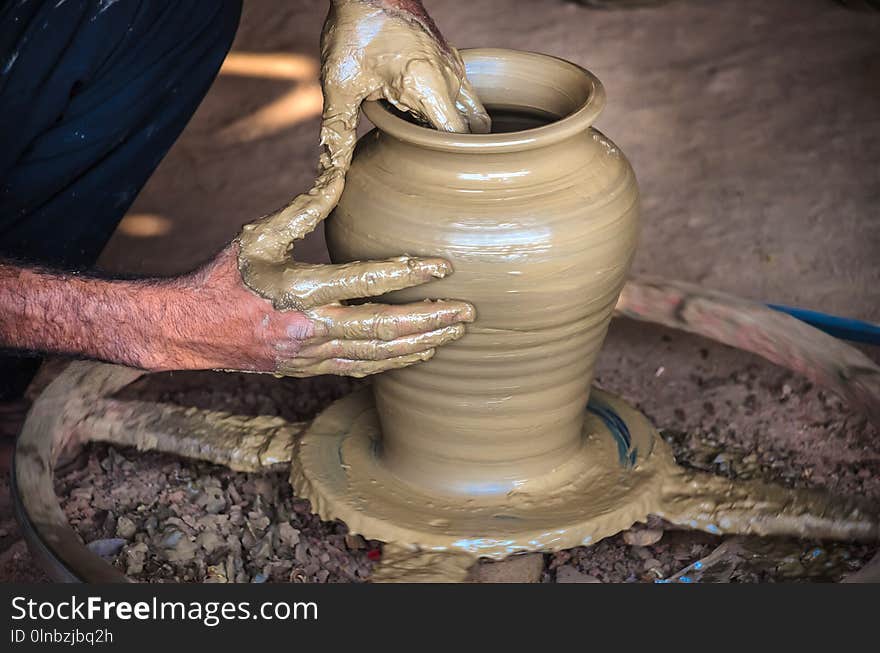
[[275, 314], [209, 320]]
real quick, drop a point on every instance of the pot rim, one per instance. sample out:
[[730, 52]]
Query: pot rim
[[579, 120]]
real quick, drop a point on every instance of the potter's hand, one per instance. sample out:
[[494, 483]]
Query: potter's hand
[[370, 49], [392, 50], [221, 324]]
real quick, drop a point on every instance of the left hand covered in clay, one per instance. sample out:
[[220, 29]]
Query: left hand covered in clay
[[213, 321], [371, 49]]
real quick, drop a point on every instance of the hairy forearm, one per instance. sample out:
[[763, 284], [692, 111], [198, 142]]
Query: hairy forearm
[[110, 320]]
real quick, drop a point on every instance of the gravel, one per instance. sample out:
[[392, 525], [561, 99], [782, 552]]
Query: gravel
[[724, 412]]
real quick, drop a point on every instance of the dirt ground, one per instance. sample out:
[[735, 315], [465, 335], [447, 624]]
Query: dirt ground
[[754, 130]]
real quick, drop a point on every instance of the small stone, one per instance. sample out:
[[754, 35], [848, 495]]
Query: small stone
[[263, 549], [642, 537], [210, 541], [183, 552], [258, 521], [177, 547], [569, 574], [288, 535], [135, 555], [212, 499], [109, 525], [84, 493], [216, 574], [525, 568], [652, 563], [249, 539], [172, 539], [125, 528], [106, 548]]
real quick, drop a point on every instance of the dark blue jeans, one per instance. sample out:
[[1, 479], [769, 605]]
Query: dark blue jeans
[[93, 93]]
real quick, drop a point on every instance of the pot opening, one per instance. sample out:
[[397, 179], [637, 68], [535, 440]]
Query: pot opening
[[505, 119], [534, 100]]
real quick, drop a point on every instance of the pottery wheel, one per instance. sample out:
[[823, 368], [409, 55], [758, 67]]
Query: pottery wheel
[[611, 482], [623, 472]]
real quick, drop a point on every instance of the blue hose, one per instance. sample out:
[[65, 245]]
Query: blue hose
[[839, 327]]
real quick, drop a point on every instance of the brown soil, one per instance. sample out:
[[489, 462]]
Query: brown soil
[[162, 519]]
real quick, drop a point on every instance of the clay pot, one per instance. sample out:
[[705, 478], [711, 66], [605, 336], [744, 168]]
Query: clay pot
[[540, 225]]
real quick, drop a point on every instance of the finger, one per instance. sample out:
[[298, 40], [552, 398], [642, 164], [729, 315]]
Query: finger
[[339, 121], [374, 350], [433, 96], [386, 321], [473, 110], [442, 113], [356, 368], [270, 238], [316, 285]]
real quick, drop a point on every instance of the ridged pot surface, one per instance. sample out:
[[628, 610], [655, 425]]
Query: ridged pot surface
[[540, 226]]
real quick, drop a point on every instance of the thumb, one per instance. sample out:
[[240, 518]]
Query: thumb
[[339, 120], [433, 98]]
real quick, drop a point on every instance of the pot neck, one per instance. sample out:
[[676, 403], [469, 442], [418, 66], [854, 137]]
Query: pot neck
[[510, 79]]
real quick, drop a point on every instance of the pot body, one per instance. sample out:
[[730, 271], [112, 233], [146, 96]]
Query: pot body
[[540, 237]]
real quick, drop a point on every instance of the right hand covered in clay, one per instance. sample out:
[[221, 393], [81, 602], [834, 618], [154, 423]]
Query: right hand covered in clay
[[392, 50], [221, 324], [370, 49]]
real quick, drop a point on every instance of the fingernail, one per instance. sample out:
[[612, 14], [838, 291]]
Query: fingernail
[[452, 309], [454, 332], [467, 313], [440, 269]]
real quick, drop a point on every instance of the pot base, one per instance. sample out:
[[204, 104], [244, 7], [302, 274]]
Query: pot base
[[615, 480]]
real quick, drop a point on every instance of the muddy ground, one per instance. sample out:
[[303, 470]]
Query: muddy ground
[[754, 130], [162, 519]]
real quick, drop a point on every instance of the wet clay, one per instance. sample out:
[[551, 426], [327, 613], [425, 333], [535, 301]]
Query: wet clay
[[540, 226], [487, 450], [432, 538], [630, 471], [336, 467], [241, 443], [369, 51]]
